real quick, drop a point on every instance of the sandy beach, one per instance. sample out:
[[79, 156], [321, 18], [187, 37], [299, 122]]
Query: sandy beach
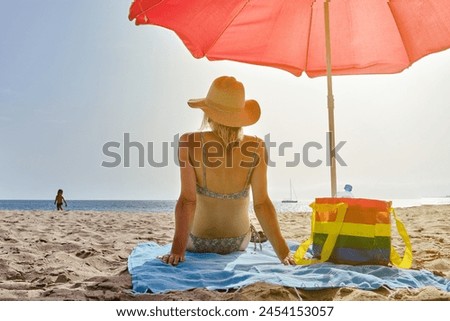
[[77, 255]]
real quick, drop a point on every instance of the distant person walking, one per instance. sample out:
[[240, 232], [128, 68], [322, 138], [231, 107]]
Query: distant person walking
[[59, 199]]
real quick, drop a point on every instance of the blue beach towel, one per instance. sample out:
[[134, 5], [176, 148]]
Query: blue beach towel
[[215, 271]]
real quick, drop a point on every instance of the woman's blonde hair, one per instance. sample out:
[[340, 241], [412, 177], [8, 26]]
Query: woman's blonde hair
[[226, 133]]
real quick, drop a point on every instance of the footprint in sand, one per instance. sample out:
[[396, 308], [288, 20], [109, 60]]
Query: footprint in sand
[[85, 253], [62, 279]]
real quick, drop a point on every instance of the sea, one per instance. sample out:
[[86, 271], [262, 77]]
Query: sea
[[168, 206]]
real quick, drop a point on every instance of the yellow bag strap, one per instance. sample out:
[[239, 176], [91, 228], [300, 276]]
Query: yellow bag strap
[[406, 261], [333, 233]]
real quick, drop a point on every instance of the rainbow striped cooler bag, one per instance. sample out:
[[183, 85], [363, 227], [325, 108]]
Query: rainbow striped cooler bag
[[353, 231]]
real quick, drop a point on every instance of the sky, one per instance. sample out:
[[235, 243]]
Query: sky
[[76, 76]]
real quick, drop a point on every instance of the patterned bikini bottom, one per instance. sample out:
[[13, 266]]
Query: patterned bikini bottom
[[221, 246]]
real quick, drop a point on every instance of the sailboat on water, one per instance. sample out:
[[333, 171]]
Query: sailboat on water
[[290, 200]]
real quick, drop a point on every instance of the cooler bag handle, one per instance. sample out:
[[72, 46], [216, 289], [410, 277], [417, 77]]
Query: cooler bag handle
[[406, 261], [333, 233]]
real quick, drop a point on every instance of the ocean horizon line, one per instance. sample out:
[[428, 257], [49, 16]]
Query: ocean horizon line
[[168, 206], [175, 199]]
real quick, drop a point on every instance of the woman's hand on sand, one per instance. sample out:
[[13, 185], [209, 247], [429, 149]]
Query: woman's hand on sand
[[172, 259], [288, 260]]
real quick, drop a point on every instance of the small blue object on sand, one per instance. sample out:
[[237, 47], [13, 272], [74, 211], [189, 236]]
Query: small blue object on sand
[[221, 272]]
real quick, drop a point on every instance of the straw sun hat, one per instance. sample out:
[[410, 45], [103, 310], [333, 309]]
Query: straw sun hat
[[226, 104]]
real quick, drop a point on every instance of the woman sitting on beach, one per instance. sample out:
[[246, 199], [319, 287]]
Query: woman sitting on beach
[[217, 170]]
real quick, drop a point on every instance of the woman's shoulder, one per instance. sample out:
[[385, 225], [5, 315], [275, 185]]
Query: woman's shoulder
[[253, 140], [189, 136], [252, 137], [253, 144]]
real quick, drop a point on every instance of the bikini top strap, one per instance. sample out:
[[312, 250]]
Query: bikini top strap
[[190, 151], [250, 171], [203, 160]]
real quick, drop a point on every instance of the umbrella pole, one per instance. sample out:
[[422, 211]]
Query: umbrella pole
[[331, 136]]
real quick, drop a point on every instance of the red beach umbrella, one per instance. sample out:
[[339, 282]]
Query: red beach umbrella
[[327, 37]]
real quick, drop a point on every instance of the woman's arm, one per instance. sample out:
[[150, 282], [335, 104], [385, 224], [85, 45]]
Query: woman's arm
[[265, 211], [185, 208]]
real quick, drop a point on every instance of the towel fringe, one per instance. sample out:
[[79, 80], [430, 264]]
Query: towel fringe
[[298, 294]]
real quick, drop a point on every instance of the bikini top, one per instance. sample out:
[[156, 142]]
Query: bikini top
[[203, 190]]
